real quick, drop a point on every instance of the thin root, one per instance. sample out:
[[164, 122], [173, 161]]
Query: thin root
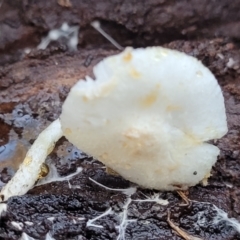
[[181, 233], [184, 197]]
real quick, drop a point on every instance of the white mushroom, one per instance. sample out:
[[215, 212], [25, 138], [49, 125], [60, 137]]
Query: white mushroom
[[148, 116]]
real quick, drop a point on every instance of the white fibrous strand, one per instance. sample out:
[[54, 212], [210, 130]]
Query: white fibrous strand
[[49, 237], [223, 217], [128, 191], [65, 31], [154, 198], [29, 170], [24, 236], [53, 176], [90, 222], [3, 208], [124, 221], [123, 216], [97, 26]]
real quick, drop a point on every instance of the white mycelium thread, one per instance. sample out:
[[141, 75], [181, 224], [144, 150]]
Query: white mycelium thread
[[65, 31], [127, 191], [3, 208], [53, 176], [90, 222], [124, 221], [97, 26], [223, 217], [26, 237]]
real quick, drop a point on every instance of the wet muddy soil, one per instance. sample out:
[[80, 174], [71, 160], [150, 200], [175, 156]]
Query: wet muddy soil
[[33, 86]]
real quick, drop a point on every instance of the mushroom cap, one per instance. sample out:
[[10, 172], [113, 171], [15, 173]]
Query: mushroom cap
[[148, 116]]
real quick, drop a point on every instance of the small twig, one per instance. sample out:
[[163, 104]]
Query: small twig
[[182, 233]]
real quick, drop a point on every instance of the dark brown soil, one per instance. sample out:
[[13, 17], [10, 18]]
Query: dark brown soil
[[33, 87]]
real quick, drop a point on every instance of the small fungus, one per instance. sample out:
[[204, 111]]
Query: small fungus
[[152, 129], [131, 122]]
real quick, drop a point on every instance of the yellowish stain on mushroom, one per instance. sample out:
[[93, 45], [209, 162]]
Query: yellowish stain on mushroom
[[107, 88], [205, 179], [104, 156], [43, 171], [67, 131], [85, 98], [150, 99], [137, 142], [127, 166], [133, 141], [127, 57], [134, 73], [49, 150], [171, 108], [132, 133], [174, 167], [27, 161], [194, 139], [159, 171]]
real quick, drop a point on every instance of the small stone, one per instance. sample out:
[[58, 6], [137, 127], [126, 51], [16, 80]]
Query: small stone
[[235, 154]]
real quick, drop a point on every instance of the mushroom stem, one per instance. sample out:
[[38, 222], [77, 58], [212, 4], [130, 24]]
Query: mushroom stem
[[29, 170]]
